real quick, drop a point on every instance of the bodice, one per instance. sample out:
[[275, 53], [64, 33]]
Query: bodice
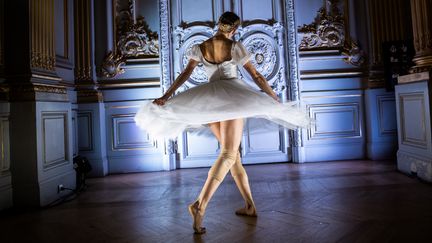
[[223, 70]]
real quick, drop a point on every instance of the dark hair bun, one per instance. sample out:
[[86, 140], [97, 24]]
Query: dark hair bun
[[228, 21]]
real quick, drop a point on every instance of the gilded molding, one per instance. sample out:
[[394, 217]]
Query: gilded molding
[[89, 96], [42, 34], [112, 65], [330, 31], [35, 91], [132, 37], [36, 87]]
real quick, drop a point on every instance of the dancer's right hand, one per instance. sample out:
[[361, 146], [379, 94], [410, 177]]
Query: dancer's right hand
[[275, 97], [160, 101]]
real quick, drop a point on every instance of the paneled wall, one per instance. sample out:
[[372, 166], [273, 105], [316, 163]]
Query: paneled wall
[[260, 31], [330, 66], [413, 103], [37, 143]]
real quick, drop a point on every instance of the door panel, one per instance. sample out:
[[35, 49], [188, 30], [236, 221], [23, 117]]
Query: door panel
[[262, 35]]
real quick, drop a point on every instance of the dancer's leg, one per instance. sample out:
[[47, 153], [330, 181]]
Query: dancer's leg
[[231, 132], [242, 181], [240, 177]]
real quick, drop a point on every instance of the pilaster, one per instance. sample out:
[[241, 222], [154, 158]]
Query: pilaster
[[422, 32], [40, 134], [91, 109]]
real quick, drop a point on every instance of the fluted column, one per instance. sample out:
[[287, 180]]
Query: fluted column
[[42, 34], [85, 75], [1, 37], [421, 12], [386, 22]]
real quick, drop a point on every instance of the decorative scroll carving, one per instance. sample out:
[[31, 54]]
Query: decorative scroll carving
[[329, 31], [134, 39], [199, 74], [111, 65], [184, 39], [263, 54], [265, 43]]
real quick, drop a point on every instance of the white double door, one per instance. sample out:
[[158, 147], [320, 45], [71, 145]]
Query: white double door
[[262, 33]]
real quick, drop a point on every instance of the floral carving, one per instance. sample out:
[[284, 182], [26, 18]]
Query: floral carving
[[134, 39], [328, 31]]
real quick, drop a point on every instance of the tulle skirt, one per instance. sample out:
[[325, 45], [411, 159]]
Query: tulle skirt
[[215, 101]]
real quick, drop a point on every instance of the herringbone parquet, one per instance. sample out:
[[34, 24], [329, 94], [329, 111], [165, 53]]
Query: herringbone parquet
[[353, 201]]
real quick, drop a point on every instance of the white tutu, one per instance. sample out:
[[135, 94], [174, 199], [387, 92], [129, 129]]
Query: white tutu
[[225, 97]]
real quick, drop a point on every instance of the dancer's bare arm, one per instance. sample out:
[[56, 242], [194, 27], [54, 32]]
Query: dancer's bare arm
[[178, 82], [260, 80]]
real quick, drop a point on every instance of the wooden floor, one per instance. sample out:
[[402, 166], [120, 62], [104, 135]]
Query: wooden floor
[[354, 201]]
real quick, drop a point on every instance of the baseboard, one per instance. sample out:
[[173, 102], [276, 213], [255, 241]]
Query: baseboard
[[415, 165]]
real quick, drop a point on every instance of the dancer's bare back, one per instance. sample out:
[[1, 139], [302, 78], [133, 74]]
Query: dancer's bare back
[[217, 50]]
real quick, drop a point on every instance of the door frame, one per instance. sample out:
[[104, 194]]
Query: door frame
[[292, 57]]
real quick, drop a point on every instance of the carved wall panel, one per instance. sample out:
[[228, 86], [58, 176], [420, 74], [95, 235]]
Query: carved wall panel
[[330, 30], [263, 41], [133, 38], [184, 39]]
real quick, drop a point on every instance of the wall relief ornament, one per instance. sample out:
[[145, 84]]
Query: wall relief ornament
[[329, 31], [184, 39], [263, 41], [133, 39]]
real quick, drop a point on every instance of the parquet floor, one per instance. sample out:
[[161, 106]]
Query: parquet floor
[[352, 201]]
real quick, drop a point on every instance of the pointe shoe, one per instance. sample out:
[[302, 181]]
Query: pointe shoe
[[247, 211], [197, 216]]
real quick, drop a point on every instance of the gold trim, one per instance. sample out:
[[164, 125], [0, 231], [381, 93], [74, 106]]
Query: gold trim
[[128, 84], [331, 96], [330, 74], [415, 77], [45, 77]]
